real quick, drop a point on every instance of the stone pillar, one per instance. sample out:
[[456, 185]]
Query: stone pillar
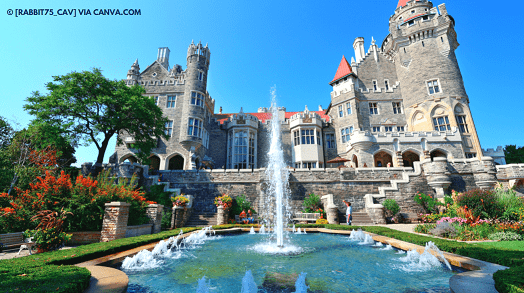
[[485, 172], [331, 209], [114, 225], [222, 215], [177, 217], [437, 175], [400, 162], [154, 213]]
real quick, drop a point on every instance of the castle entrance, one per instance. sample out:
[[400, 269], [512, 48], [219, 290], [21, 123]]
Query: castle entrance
[[382, 159], [154, 164], [409, 157], [176, 163]]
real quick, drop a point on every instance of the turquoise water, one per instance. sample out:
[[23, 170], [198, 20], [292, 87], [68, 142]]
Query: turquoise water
[[333, 263]]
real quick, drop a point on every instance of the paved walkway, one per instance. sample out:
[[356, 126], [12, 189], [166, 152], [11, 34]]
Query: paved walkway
[[13, 253]]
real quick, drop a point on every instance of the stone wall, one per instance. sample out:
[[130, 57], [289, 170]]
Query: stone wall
[[139, 230], [85, 237]]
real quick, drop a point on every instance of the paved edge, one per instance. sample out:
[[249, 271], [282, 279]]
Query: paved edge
[[478, 278]]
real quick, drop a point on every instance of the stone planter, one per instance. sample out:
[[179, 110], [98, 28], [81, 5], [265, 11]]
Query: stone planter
[[222, 215], [178, 217]]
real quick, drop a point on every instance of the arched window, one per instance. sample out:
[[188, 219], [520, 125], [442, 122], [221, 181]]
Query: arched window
[[438, 153]]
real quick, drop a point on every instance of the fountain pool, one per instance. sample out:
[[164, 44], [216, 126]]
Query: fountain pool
[[333, 263]]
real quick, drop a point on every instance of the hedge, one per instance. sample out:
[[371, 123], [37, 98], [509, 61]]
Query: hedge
[[54, 271]]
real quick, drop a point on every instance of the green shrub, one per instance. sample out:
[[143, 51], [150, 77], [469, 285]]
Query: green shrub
[[311, 203], [391, 206], [510, 280], [240, 203], [157, 194], [482, 203], [428, 203], [505, 236], [424, 228]]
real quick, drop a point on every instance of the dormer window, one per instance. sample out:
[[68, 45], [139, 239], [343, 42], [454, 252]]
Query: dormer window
[[425, 17], [411, 22]]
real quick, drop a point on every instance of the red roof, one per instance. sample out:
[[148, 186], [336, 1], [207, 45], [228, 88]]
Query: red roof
[[408, 19], [343, 69], [402, 3], [262, 117]]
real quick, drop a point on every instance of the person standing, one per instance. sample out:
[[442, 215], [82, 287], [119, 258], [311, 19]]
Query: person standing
[[349, 212]]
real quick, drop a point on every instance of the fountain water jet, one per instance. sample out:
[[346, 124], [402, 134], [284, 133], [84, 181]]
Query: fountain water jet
[[277, 174]]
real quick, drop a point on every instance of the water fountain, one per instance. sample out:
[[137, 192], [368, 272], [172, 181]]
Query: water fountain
[[222, 265]]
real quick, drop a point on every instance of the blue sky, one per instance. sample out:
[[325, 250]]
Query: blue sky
[[295, 45]]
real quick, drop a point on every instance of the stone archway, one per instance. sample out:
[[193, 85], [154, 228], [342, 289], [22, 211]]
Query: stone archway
[[437, 153], [154, 163], [176, 163], [129, 158], [409, 157], [382, 159]]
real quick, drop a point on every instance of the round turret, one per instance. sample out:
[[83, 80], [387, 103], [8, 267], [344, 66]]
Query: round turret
[[422, 42]]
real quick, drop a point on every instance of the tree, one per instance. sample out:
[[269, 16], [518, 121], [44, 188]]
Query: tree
[[514, 154], [6, 133], [89, 108]]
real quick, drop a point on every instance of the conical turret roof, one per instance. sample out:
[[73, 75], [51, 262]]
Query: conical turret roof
[[343, 70], [402, 3]]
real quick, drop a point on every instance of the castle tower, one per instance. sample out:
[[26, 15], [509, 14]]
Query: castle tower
[[422, 43], [133, 73], [197, 104]]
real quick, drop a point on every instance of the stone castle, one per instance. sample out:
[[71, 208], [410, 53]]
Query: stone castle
[[398, 116]]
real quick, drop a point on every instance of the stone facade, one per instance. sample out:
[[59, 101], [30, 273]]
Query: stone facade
[[392, 105], [114, 225]]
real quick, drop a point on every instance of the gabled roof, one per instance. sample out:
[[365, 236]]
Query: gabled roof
[[151, 65], [343, 70]]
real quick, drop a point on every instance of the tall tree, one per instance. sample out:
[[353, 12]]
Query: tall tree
[[90, 108], [514, 154]]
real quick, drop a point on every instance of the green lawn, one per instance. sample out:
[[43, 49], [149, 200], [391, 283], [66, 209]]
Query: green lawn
[[514, 245]]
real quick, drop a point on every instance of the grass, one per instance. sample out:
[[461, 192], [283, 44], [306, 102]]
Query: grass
[[513, 245]]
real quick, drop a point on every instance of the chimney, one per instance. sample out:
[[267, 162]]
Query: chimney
[[163, 57], [220, 111]]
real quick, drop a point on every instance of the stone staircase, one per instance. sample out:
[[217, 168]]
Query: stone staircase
[[359, 219], [201, 220]]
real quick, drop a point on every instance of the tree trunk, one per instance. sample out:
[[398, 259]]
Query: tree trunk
[[97, 168]]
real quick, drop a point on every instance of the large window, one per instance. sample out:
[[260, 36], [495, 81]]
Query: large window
[[346, 133], [330, 140], [441, 123], [376, 128], [308, 136], [171, 100], [433, 87], [400, 128], [373, 109], [348, 108], [397, 108], [241, 152], [194, 127], [197, 99], [169, 128], [388, 128], [296, 137], [461, 121]]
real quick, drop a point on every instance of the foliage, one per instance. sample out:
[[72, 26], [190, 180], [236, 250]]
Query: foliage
[[505, 236], [90, 108], [510, 280], [166, 220], [428, 203], [157, 194], [321, 221], [240, 203], [444, 229], [6, 133], [86, 198], [425, 228], [482, 203], [1, 247], [225, 201], [391, 206], [512, 203], [49, 233], [180, 200], [431, 218], [311, 203], [54, 271], [514, 154]]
